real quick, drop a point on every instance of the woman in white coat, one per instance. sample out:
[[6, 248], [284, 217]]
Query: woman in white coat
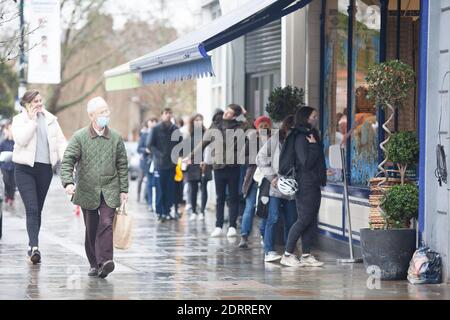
[[39, 145]]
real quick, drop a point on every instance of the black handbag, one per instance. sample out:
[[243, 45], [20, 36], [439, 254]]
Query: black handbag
[[262, 205]]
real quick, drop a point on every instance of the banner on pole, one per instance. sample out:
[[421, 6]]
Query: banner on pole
[[44, 57]]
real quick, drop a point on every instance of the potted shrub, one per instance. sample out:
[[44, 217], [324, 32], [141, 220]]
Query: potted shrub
[[384, 244], [391, 249], [284, 102]]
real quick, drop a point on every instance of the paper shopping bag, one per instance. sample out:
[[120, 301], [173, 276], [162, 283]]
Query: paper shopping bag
[[122, 228]]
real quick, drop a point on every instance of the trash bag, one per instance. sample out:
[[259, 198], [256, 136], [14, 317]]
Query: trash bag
[[425, 267]]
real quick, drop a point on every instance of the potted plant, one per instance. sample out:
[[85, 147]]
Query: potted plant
[[391, 249], [284, 102], [385, 245]]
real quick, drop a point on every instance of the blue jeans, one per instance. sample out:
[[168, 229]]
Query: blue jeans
[[165, 190], [149, 186], [289, 211], [249, 211]]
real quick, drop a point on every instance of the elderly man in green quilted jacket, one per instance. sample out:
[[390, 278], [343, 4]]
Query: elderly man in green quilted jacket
[[99, 155]]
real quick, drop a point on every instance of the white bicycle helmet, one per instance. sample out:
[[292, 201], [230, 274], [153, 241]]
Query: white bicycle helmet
[[287, 186]]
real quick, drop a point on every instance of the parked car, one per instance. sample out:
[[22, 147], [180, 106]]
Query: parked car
[[133, 159]]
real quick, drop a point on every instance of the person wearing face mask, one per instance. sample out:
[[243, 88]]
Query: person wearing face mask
[[102, 183], [311, 175], [39, 145]]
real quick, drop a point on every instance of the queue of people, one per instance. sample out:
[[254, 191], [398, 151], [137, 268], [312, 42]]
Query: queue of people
[[176, 164]]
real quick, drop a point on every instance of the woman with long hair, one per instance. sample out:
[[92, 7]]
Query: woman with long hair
[[311, 176], [279, 204], [197, 173], [39, 145]]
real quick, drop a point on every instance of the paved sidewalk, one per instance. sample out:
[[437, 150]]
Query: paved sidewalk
[[172, 260]]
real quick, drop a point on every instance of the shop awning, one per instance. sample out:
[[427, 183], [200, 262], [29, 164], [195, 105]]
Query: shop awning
[[187, 57], [121, 78]]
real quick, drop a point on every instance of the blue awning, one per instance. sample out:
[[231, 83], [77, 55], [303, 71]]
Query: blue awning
[[188, 58]]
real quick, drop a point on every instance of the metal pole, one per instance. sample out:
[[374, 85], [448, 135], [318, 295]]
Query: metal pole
[[347, 211], [22, 81]]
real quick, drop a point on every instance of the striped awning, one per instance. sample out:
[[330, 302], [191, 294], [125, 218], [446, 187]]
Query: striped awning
[[188, 58]]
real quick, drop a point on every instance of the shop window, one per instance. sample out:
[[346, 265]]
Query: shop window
[[364, 135], [335, 76]]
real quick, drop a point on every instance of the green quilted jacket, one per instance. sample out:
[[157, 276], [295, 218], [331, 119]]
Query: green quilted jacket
[[101, 168]]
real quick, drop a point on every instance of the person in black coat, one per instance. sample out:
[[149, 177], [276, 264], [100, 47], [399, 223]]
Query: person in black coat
[[196, 174], [160, 145], [311, 176], [7, 167]]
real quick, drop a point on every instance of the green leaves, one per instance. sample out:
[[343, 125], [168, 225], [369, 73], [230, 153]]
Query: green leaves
[[403, 148], [400, 205], [390, 82], [284, 102]]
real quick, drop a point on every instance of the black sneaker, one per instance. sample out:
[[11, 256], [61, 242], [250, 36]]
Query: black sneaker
[[35, 256], [93, 272], [106, 269]]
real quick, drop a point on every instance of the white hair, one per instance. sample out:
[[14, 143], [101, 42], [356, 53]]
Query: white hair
[[95, 103]]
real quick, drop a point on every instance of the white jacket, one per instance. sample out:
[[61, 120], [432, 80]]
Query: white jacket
[[25, 140]]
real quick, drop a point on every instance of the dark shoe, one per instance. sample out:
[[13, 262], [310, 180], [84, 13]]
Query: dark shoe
[[93, 272], [106, 269], [244, 242], [35, 256]]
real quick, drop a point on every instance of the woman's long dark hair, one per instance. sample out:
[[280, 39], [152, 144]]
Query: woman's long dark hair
[[301, 120], [288, 124], [191, 124]]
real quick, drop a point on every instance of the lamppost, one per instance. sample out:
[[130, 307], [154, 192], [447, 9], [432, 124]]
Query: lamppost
[[22, 81]]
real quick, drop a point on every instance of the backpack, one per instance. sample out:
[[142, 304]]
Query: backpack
[[287, 161]]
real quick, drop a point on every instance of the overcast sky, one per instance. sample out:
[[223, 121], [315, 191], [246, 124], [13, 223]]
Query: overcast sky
[[182, 14]]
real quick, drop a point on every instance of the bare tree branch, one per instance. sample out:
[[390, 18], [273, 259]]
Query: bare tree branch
[[81, 98]]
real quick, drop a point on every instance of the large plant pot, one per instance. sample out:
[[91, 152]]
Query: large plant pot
[[390, 250]]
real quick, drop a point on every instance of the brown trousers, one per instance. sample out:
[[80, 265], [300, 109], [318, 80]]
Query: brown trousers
[[99, 234]]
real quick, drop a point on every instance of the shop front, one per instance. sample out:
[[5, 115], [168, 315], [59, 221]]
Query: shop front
[[355, 34]]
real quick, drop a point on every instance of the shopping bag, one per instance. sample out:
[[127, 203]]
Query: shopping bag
[[122, 228]]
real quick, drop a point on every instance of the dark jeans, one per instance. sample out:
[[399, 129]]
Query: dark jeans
[[33, 184], [227, 177], [308, 204], [10, 183], [278, 207], [99, 234], [193, 192], [165, 190]]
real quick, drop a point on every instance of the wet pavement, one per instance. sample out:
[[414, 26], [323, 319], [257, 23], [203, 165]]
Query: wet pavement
[[172, 260]]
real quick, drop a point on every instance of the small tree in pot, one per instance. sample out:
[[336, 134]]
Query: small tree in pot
[[391, 248], [284, 102]]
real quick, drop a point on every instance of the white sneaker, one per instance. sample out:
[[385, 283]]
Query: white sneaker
[[272, 256], [216, 233], [231, 232], [311, 261], [193, 217], [291, 261], [201, 217]]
